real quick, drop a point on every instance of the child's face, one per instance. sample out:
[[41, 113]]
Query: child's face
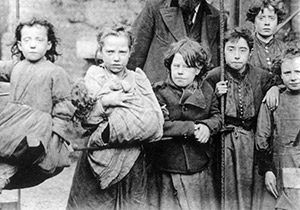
[[290, 73], [181, 74], [115, 53], [237, 53], [34, 42], [266, 22]]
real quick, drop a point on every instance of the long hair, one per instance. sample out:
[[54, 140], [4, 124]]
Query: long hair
[[51, 54], [193, 54]]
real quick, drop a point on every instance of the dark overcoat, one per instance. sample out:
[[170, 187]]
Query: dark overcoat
[[161, 23]]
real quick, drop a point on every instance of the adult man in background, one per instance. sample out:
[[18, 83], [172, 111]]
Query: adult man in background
[[163, 22]]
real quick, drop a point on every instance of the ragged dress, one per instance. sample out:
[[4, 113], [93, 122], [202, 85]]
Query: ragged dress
[[38, 114], [278, 132], [244, 96], [115, 178]]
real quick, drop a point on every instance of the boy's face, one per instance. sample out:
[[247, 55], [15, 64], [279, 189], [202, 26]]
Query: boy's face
[[181, 74], [115, 53], [237, 53], [266, 22], [290, 73], [34, 42]]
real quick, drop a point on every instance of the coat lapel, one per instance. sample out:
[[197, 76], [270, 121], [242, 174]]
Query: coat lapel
[[173, 18]]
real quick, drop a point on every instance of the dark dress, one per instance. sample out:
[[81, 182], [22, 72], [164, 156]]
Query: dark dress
[[242, 102]]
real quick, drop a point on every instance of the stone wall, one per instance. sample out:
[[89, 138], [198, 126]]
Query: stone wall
[[74, 20]]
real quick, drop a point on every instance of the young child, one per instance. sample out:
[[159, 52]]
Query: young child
[[181, 177], [33, 140], [245, 87], [266, 15], [126, 112], [278, 137]]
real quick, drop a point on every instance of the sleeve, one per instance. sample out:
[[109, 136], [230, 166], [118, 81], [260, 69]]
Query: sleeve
[[6, 68], [213, 78], [143, 31], [63, 109], [174, 128], [263, 138], [268, 80], [214, 122]]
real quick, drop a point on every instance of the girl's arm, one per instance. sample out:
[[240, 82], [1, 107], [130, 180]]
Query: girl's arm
[[6, 68], [214, 122], [63, 110], [263, 137]]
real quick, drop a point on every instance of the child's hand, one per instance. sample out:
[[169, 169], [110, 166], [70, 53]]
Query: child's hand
[[221, 88], [270, 182], [202, 133], [116, 98], [272, 98]]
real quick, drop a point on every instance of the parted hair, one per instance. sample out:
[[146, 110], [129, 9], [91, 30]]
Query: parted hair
[[237, 33], [259, 5], [52, 53], [193, 53]]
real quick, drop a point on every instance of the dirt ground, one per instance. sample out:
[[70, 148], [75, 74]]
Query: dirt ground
[[50, 195]]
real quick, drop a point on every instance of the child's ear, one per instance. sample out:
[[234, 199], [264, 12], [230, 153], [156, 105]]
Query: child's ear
[[199, 68], [251, 51], [49, 45]]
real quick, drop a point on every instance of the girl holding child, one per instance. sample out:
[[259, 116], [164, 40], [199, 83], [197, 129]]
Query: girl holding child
[[126, 113]]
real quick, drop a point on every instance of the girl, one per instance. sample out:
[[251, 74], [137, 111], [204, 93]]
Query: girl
[[126, 111], [33, 138], [278, 137], [181, 177], [245, 87]]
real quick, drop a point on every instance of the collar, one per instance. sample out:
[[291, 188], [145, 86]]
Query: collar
[[236, 75], [192, 94], [263, 44]]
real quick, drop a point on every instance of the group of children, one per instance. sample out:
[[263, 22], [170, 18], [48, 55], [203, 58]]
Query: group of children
[[142, 170]]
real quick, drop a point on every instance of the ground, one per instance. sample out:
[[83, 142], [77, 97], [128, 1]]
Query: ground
[[50, 195]]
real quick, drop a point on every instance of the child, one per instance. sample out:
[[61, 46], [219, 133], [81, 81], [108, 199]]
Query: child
[[278, 134], [265, 15], [181, 177], [245, 87], [126, 112], [33, 138]]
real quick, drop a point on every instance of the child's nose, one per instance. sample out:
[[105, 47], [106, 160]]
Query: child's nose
[[237, 54], [116, 57], [32, 44]]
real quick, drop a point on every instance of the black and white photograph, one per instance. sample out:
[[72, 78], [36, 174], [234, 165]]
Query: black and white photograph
[[149, 104]]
